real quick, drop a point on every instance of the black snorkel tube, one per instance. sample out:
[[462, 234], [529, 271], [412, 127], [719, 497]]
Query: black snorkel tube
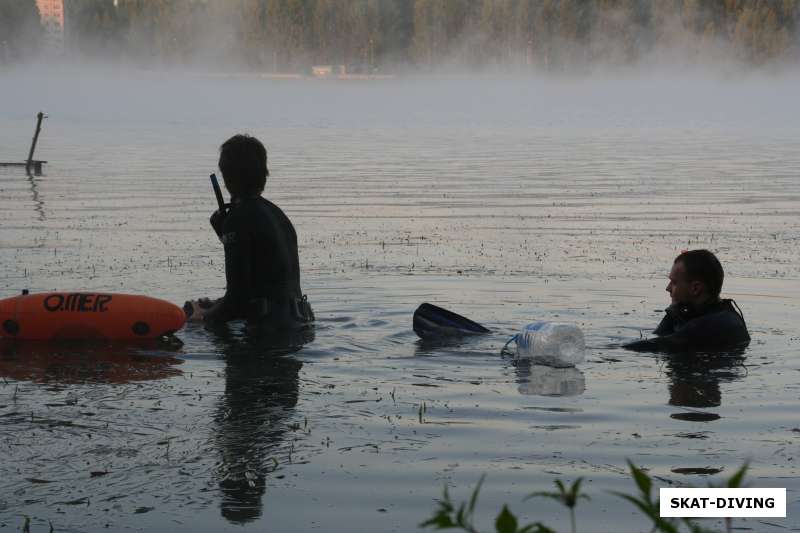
[[218, 218], [217, 193]]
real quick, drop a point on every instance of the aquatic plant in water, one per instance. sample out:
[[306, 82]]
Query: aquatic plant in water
[[447, 516]]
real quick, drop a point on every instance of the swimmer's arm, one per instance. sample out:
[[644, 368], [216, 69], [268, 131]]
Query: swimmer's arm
[[238, 275], [667, 343], [669, 339], [217, 221], [219, 313], [196, 309]]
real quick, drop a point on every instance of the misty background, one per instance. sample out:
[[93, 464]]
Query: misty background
[[393, 36], [586, 145]]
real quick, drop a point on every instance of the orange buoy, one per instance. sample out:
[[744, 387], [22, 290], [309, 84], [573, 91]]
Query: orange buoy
[[87, 315]]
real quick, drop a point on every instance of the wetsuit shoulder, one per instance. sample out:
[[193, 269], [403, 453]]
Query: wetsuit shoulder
[[277, 212], [666, 326], [241, 212], [721, 327]]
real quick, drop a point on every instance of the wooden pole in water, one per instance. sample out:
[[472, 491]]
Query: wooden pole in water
[[29, 162]]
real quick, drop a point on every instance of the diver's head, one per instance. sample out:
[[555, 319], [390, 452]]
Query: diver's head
[[696, 278], [243, 163]]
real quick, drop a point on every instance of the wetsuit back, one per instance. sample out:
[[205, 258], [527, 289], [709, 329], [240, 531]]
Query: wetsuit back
[[716, 326], [262, 268]]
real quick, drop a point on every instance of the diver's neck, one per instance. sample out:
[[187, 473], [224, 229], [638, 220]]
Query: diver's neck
[[707, 301], [696, 306], [239, 199], [700, 304]]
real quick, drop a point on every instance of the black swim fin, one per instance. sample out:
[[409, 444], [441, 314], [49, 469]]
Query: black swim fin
[[433, 322]]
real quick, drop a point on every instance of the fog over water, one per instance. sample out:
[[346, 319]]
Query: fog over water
[[507, 199]]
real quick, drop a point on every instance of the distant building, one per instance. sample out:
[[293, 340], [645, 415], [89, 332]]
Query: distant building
[[51, 13], [328, 71], [322, 71]]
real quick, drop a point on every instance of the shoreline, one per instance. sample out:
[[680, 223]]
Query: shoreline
[[290, 76]]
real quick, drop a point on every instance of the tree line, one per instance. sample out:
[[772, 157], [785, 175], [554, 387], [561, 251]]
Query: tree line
[[20, 30], [381, 35]]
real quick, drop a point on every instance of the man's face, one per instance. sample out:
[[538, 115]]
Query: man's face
[[680, 288]]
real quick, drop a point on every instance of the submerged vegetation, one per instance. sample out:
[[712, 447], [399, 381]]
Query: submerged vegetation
[[383, 35], [462, 518]]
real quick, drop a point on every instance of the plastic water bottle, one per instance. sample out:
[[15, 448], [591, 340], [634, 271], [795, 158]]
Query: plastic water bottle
[[551, 343]]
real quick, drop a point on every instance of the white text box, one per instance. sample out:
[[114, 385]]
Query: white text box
[[723, 502]]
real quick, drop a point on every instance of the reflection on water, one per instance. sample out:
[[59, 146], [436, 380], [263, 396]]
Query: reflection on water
[[261, 391], [694, 378], [452, 345], [80, 363], [236, 339], [694, 383], [37, 201], [548, 381], [259, 395]]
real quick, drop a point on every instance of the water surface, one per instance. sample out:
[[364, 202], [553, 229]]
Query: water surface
[[505, 200]]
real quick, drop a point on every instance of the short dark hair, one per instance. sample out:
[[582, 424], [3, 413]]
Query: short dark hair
[[703, 266], [243, 162]]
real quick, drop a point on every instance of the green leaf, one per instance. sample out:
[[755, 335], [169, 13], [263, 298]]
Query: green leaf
[[439, 521], [442, 519], [460, 515], [651, 510], [506, 522], [474, 497], [642, 480], [575, 488], [644, 506], [665, 526], [736, 479], [543, 494], [446, 497], [573, 495]]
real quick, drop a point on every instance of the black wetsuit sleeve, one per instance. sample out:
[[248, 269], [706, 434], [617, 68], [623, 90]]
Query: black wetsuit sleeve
[[667, 339], [238, 274], [217, 221], [666, 343]]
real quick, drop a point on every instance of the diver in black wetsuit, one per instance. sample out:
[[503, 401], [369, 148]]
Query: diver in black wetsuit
[[262, 269], [697, 319]]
